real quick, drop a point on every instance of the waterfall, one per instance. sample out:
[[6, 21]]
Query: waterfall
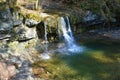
[[69, 27], [45, 55], [46, 39], [68, 36], [66, 33]]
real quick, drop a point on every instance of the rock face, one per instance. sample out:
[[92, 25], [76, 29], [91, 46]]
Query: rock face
[[31, 23], [6, 71], [6, 14], [5, 27], [92, 19], [17, 18], [58, 6], [25, 33], [6, 24], [21, 55], [12, 26]]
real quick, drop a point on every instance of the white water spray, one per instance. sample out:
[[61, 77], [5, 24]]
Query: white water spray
[[68, 36], [69, 27]]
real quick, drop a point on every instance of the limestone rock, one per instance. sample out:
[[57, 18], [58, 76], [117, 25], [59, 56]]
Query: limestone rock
[[17, 18], [6, 71], [31, 22], [5, 27], [5, 14], [5, 21], [24, 33], [6, 24]]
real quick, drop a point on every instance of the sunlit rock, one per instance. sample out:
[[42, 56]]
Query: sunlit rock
[[24, 33], [6, 71], [31, 22]]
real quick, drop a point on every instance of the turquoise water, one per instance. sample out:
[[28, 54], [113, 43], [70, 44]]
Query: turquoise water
[[100, 60]]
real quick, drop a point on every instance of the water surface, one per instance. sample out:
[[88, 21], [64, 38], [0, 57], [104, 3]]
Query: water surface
[[100, 60]]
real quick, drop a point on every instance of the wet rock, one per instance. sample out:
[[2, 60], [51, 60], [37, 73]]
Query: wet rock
[[92, 19], [6, 71], [113, 34], [24, 33]]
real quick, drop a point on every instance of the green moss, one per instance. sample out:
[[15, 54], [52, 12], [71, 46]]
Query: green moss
[[34, 16]]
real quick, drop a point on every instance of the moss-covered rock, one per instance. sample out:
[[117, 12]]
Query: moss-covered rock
[[33, 16]]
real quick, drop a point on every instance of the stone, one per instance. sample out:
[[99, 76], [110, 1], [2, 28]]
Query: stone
[[6, 24], [5, 27], [24, 33], [92, 19], [17, 23], [17, 18], [6, 71], [59, 7], [31, 22], [5, 21], [5, 36], [24, 72], [5, 14]]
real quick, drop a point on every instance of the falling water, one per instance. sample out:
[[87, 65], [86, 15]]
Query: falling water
[[68, 36], [45, 54], [46, 39], [69, 27]]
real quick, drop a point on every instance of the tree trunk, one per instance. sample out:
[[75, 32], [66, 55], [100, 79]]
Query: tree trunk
[[36, 4]]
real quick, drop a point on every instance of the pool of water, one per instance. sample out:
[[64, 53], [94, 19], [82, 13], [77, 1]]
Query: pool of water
[[99, 60]]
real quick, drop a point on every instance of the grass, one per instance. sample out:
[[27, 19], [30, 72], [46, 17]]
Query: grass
[[100, 61]]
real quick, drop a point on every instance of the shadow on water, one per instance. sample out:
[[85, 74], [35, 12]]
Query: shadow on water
[[100, 61]]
